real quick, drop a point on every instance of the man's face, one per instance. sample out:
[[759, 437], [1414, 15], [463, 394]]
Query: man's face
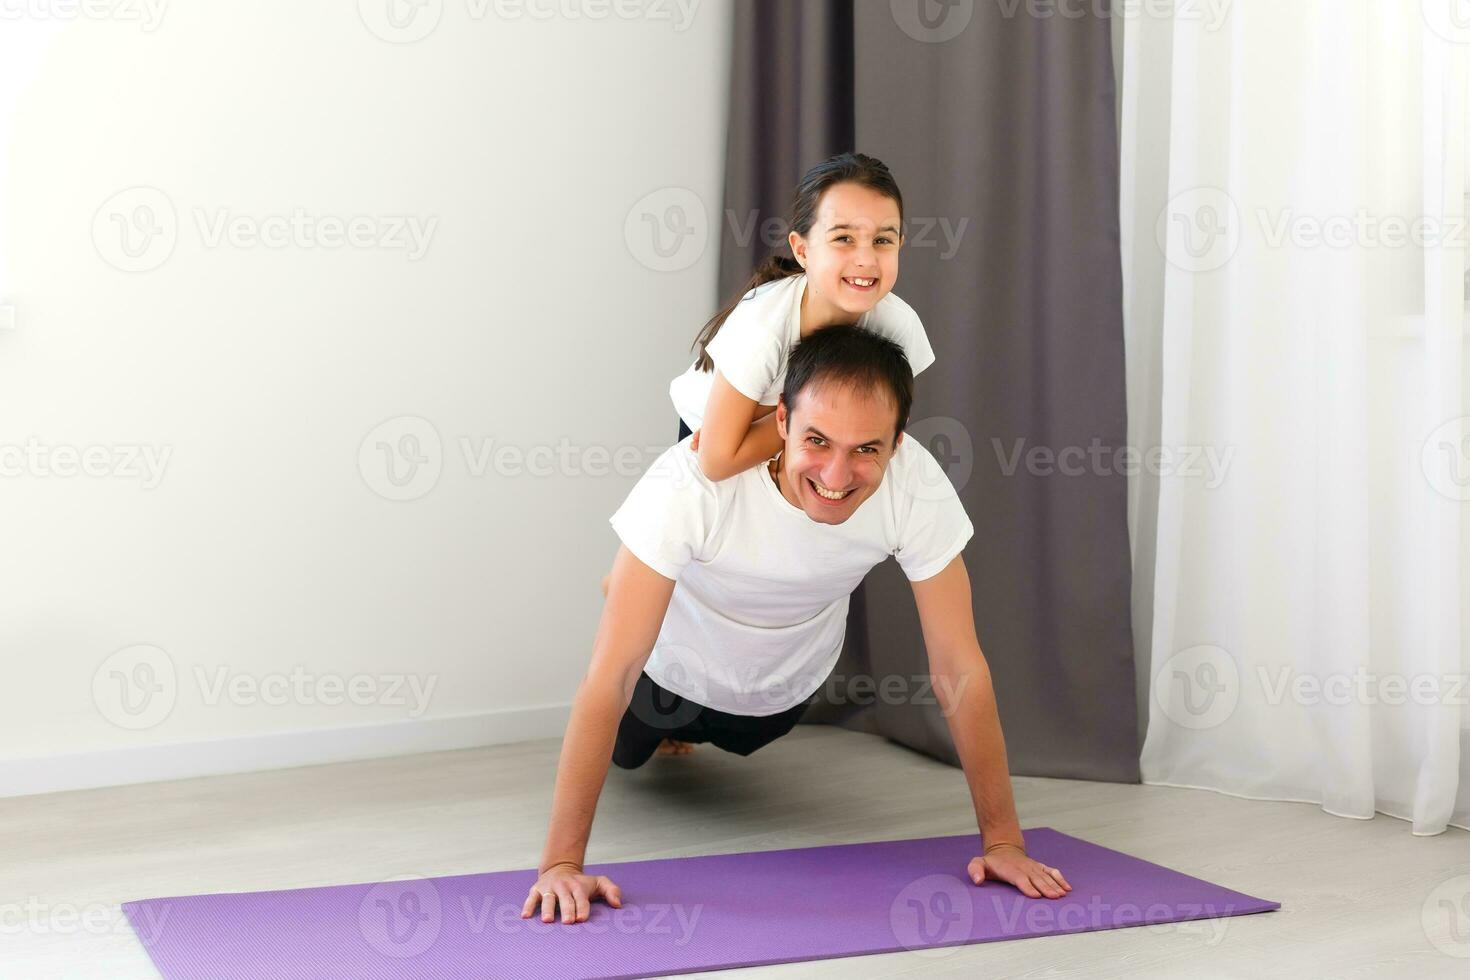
[[838, 441]]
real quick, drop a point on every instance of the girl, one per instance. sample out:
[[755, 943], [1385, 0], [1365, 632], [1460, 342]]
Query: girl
[[846, 230]]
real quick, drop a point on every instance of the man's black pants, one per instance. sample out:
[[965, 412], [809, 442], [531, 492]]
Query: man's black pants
[[655, 713]]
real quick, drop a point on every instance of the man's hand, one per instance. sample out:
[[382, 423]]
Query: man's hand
[[1007, 862], [566, 882]]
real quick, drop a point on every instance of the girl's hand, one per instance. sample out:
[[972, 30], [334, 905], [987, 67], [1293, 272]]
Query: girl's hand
[[1009, 863], [694, 441]]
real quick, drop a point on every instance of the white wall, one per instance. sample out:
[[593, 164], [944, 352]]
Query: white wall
[[267, 543]]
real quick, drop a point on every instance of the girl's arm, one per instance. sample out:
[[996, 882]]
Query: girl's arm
[[738, 432]]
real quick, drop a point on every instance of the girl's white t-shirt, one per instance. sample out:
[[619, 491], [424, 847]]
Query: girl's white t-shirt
[[752, 345], [756, 621]]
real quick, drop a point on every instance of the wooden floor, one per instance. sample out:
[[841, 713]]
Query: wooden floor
[[1353, 891]]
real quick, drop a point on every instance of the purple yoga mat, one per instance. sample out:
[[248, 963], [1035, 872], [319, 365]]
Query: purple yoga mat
[[679, 915]]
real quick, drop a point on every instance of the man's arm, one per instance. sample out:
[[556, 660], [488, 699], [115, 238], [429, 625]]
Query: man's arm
[[966, 696], [637, 599], [962, 681]]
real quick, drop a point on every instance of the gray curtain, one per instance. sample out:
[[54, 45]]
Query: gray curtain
[[1003, 140]]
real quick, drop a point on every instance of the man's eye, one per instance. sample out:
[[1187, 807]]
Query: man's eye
[[814, 440]]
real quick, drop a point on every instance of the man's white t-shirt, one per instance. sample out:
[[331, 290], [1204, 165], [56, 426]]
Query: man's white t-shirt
[[752, 346], [759, 608]]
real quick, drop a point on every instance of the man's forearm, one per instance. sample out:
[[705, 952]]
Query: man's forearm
[[968, 700], [586, 752]]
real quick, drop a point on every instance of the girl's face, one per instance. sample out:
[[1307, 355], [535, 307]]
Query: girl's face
[[851, 252]]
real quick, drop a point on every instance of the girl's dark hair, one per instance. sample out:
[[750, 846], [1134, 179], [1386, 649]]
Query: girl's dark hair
[[857, 168], [855, 357]]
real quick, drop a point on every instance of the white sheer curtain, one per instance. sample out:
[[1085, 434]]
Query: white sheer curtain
[[1293, 210]]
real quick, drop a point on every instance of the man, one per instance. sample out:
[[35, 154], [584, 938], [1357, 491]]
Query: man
[[727, 605]]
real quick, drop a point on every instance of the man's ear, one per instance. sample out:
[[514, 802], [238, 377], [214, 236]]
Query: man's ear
[[898, 441], [781, 417]]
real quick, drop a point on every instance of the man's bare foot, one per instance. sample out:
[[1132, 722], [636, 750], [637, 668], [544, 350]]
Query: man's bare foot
[[671, 747]]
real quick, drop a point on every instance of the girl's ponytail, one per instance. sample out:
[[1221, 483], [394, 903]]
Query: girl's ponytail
[[857, 168]]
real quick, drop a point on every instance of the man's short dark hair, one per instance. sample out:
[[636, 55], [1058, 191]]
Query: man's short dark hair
[[853, 357]]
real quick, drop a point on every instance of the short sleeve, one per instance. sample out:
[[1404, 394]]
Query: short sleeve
[[668, 516], [932, 524], [899, 322], [749, 349]]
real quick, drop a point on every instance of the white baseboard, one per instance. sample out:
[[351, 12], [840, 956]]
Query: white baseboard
[[278, 750]]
